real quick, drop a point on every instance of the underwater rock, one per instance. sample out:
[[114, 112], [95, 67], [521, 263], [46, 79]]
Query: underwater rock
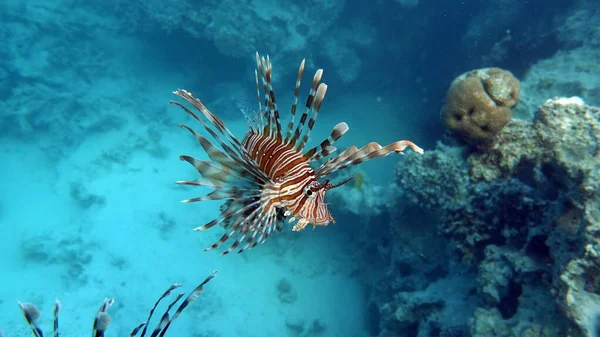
[[515, 148], [500, 212], [580, 285], [485, 323], [494, 277], [164, 223], [300, 328], [571, 71], [419, 178], [428, 312], [566, 73], [478, 103], [71, 251], [295, 324], [517, 287], [285, 292], [120, 152], [562, 142], [562, 156], [237, 28], [84, 198], [570, 133]]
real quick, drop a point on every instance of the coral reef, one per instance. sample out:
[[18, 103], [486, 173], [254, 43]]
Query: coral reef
[[478, 103], [60, 80], [405, 262], [102, 319], [514, 148], [530, 223], [570, 71], [523, 218], [499, 212], [567, 73], [444, 164], [237, 29]]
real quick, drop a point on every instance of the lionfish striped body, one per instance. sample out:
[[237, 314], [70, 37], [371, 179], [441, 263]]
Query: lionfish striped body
[[267, 176]]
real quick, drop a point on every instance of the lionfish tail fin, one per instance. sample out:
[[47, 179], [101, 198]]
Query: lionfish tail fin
[[355, 156]]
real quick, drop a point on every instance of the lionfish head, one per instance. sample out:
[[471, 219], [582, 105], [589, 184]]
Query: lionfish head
[[315, 211]]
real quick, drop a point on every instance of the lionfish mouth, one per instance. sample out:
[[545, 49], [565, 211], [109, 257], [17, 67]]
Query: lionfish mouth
[[326, 217]]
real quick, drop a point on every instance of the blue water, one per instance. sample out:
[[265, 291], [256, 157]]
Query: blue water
[[90, 144]]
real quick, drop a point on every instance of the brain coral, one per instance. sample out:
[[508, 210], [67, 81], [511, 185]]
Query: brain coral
[[478, 103]]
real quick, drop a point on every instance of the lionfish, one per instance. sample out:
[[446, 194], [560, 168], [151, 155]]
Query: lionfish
[[267, 177], [102, 319]]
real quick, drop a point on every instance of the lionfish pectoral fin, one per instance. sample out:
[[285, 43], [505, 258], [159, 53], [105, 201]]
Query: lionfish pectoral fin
[[354, 156], [232, 149], [300, 225]]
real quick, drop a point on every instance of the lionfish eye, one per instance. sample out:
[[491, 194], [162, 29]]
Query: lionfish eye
[[310, 193]]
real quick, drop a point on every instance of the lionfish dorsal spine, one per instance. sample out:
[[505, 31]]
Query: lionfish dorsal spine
[[315, 107], [259, 118], [295, 101], [265, 69], [309, 105], [326, 147]]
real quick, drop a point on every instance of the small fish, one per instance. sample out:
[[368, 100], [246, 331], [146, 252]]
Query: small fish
[[267, 177], [359, 180]]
